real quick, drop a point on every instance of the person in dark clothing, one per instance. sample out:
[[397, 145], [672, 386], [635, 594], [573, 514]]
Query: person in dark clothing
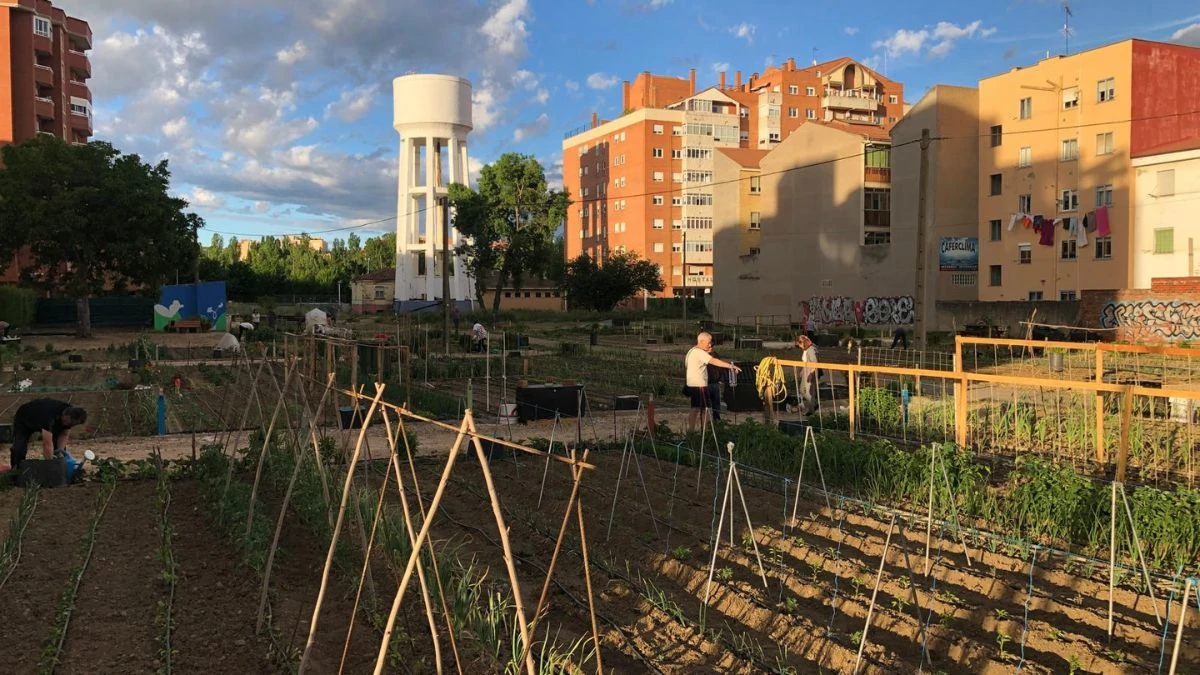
[[900, 338], [716, 375], [54, 419]]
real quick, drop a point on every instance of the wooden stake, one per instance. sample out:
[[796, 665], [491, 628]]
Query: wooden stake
[[266, 582], [1126, 424], [1187, 586], [262, 455], [366, 566], [874, 593], [933, 449], [1101, 453], [337, 530], [587, 575], [1112, 560]]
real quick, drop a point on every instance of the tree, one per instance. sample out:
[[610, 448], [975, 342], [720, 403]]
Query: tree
[[601, 287], [93, 217], [509, 222]]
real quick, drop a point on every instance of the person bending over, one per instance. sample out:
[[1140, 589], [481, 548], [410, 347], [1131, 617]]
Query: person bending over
[[54, 419]]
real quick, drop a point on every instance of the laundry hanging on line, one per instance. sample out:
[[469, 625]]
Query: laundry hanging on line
[[1102, 222]]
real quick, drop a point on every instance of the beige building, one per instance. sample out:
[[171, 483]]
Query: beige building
[[828, 248], [737, 220], [1055, 142], [951, 234], [1167, 180], [373, 294]]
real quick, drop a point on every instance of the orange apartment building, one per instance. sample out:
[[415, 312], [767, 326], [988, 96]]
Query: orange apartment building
[[1056, 141], [44, 69], [644, 182]]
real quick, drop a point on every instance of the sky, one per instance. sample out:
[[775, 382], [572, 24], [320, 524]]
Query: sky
[[276, 115]]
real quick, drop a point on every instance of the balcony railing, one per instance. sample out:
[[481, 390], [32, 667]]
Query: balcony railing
[[43, 107], [80, 29], [78, 62], [843, 102], [43, 75], [875, 174], [80, 90]]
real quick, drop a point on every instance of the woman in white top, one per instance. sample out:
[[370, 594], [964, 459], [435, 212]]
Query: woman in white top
[[696, 364], [808, 377]]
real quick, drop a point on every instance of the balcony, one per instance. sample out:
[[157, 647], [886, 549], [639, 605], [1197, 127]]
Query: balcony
[[80, 32], [81, 123], [43, 44], [835, 100], [43, 75], [81, 67], [44, 108], [80, 90], [874, 174]]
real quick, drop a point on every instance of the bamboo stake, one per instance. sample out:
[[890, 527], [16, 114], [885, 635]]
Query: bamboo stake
[[362, 577], [266, 582], [1141, 557], [412, 558], [262, 454], [874, 593], [1187, 586], [337, 529], [518, 603], [746, 511], [933, 449], [587, 574], [246, 413], [1112, 559]]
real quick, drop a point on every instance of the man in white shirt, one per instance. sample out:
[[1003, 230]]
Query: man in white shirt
[[696, 363], [808, 376]]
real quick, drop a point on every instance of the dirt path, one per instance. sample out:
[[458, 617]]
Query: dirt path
[[113, 626], [48, 551]]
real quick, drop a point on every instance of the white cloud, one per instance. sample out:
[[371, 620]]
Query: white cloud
[[535, 128], [850, 30], [176, 128], [572, 86], [542, 96], [936, 43], [205, 199], [1188, 36], [526, 80], [602, 81], [262, 207], [293, 54], [744, 31], [903, 41], [720, 67], [353, 104], [948, 31]]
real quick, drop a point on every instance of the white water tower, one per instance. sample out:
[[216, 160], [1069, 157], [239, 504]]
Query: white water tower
[[433, 118]]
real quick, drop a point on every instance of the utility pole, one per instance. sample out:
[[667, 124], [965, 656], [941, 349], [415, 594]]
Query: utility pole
[[684, 275], [445, 204], [922, 244]]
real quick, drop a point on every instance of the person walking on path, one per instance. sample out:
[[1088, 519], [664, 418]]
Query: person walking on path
[[696, 364], [53, 418]]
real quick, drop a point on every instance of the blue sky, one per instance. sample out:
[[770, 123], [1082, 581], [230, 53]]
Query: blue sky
[[276, 115]]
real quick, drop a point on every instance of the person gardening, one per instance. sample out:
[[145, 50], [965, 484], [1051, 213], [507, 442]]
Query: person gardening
[[54, 419], [696, 363]]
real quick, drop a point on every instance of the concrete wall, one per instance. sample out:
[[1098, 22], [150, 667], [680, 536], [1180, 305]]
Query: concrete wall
[[952, 201], [950, 316], [1155, 210], [1167, 312], [735, 270], [1048, 174]]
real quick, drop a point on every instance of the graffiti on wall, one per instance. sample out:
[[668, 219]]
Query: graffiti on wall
[[1171, 320], [873, 311]]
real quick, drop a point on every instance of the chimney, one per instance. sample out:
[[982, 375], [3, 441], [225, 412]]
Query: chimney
[[791, 64], [722, 81], [737, 79], [625, 95], [692, 81], [595, 120]]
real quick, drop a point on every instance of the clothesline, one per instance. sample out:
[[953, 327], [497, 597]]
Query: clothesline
[[1078, 228]]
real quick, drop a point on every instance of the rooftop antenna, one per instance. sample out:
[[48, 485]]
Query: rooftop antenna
[[1067, 27], [814, 56]]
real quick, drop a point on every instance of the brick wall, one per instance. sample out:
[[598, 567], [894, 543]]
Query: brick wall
[[1166, 313]]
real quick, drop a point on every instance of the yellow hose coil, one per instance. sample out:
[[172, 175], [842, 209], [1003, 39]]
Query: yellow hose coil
[[769, 380]]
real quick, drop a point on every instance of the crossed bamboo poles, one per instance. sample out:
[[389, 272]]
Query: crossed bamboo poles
[[303, 438]]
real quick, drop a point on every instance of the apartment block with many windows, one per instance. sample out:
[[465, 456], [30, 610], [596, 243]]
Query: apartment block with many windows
[[1055, 143], [645, 181]]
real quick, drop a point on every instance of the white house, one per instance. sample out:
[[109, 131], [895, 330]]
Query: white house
[[1166, 227]]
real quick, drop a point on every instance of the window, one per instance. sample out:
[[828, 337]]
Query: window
[[677, 270], [996, 229], [877, 216], [1025, 157], [1067, 250], [657, 153], [1069, 201], [676, 201], [1104, 195], [618, 160], [1025, 254], [997, 184], [676, 131], [755, 220], [380, 292], [997, 135], [676, 153], [1164, 240], [1103, 248], [810, 91], [962, 279], [658, 223], [1026, 108], [658, 247], [1067, 296], [1106, 89], [658, 130], [893, 99], [1025, 203], [754, 250], [1070, 98], [82, 111], [1035, 296], [1165, 183], [878, 157], [658, 200], [755, 184], [810, 114], [1104, 143], [658, 176], [1070, 149], [677, 177], [995, 275], [41, 26], [877, 238], [793, 112], [793, 89]]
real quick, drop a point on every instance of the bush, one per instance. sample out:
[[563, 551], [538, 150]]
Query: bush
[[18, 306]]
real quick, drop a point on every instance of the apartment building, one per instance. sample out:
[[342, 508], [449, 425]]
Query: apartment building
[[645, 181], [1056, 179], [44, 69], [737, 227], [1166, 230]]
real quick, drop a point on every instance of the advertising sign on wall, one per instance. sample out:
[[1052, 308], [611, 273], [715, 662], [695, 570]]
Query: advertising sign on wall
[[959, 254]]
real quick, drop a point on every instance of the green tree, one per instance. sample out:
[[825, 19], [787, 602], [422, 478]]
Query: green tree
[[509, 222], [602, 286], [93, 217]]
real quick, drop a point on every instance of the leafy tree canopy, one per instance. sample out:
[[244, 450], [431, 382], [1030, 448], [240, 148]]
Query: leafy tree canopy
[[602, 286], [92, 217]]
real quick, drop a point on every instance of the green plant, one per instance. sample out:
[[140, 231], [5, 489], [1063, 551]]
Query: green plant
[[1002, 639], [681, 553], [725, 574]]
